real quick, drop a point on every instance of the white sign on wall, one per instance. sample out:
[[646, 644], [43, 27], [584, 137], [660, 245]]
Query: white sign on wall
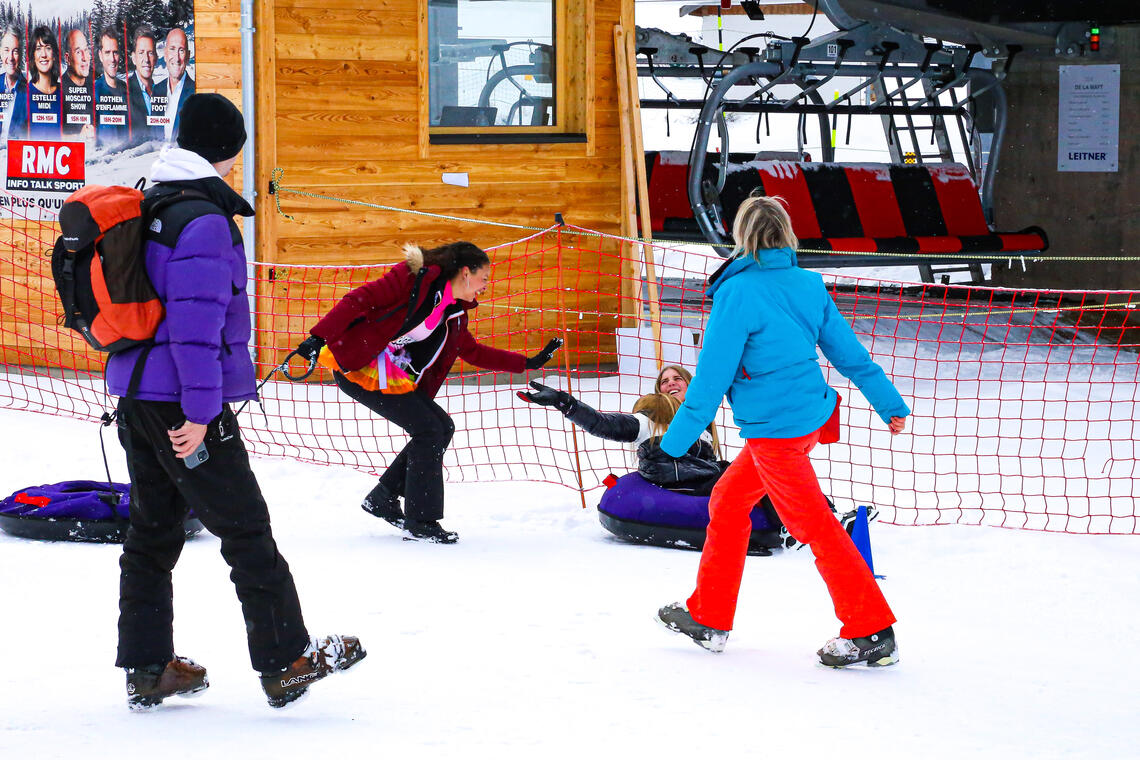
[[1088, 119]]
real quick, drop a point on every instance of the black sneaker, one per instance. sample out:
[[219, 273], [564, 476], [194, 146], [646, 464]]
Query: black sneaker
[[321, 658], [847, 519], [676, 618], [382, 503], [877, 650], [788, 541], [148, 686], [430, 531], [783, 537]]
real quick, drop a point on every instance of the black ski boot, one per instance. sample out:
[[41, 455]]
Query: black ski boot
[[676, 618], [148, 686], [784, 539], [877, 650], [382, 503], [787, 540], [847, 519], [430, 531]]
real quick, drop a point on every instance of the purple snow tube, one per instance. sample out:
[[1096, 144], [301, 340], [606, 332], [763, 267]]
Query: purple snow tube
[[636, 510], [74, 510]]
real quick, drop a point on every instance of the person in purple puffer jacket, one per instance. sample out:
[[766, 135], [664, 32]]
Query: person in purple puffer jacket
[[174, 400]]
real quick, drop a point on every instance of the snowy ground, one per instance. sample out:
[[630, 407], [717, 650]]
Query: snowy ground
[[535, 634]]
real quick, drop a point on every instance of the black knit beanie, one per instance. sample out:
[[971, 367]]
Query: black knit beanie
[[211, 126]]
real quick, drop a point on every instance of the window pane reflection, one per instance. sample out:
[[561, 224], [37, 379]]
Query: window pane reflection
[[491, 63]]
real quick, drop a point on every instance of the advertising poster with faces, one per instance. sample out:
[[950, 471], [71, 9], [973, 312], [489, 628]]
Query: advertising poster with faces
[[90, 91]]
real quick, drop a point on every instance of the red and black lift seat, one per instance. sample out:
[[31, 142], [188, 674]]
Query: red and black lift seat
[[853, 208]]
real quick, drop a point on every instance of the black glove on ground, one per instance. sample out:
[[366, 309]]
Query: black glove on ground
[[545, 396], [310, 347], [543, 356]]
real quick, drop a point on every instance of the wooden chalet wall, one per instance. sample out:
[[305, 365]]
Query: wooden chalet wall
[[217, 55], [342, 110]]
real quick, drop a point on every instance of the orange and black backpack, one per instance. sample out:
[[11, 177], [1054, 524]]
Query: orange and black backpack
[[99, 263]]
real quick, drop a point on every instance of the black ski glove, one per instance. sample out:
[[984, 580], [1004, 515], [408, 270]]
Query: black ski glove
[[545, 355], [545, 396], [310, 347]]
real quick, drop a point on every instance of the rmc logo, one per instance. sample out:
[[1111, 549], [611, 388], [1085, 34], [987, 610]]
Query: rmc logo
[[45, 160], [45, 166]]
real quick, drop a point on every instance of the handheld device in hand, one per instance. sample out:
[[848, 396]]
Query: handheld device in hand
[[197, 456]]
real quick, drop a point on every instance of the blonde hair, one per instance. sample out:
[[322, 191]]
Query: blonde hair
[[762, 222], [660, 407]]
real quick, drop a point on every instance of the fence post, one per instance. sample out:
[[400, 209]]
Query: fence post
[[566, 364]]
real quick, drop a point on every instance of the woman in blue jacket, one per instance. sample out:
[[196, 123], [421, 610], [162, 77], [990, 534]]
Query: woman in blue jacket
[[768, 317]]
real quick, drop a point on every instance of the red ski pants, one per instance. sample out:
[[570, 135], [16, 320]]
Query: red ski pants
[[780, 468]]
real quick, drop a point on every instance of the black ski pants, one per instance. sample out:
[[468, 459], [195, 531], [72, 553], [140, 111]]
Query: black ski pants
[[417, 471], [225, 497]]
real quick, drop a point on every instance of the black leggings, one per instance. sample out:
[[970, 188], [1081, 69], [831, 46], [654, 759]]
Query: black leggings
[[417, 471]]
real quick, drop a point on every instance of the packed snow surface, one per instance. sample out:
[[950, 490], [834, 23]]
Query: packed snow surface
[[534, 637]]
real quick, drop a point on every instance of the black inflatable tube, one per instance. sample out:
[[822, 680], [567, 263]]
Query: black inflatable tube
[[760, 544], [88, 531]]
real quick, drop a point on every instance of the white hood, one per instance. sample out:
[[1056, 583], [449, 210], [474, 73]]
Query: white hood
[[177, 164]]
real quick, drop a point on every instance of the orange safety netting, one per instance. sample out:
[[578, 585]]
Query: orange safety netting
[[1024, 400]]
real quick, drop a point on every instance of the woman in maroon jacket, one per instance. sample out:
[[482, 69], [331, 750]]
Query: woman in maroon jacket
[[390, 344]]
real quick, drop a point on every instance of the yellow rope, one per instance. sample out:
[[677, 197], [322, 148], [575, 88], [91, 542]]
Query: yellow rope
[[1034, 257], [1031, 310], [277, 189]]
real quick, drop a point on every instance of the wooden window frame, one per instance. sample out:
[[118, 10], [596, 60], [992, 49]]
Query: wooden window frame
[[573, 87]]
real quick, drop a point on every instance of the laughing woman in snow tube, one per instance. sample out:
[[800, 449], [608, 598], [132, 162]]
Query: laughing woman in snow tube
[[695, 473], [666, 501]]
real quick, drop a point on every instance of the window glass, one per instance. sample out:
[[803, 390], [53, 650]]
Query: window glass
[[491, 63]]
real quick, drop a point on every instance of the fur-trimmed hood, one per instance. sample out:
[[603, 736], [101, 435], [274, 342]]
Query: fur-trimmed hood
[[413, 256]]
